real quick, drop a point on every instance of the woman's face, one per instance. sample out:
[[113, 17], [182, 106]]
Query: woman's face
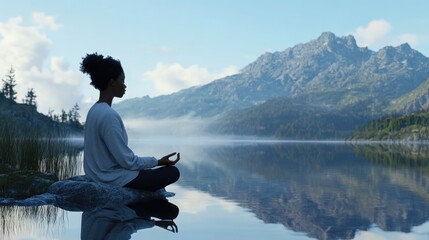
[[119, 86]]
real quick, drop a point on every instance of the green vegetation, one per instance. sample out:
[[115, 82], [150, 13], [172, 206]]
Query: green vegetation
[[33, 149], [9, 84], [26, 117], [283, 118], [30, 162], [410, 127]]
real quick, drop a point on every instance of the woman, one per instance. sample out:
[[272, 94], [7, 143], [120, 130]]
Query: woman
[[107, 157]]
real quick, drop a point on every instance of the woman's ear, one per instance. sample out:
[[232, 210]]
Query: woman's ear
[[111, 82]]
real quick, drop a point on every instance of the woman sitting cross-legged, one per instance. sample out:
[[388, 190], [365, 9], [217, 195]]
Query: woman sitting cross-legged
[[107, 157]]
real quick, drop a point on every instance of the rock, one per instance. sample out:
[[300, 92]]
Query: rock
[[81, 194], [20, 184]]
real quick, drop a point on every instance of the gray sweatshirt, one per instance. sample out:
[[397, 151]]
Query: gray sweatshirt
[[107, 157]]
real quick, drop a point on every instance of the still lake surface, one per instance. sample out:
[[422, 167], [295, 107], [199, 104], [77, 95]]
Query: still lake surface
[[247, 189]]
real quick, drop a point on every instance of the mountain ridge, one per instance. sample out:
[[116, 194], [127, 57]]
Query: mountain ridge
[[331, 73], [327, 63]]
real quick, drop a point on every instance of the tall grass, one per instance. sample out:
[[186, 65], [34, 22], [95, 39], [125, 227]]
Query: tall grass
[[21, 155], [38, 152]]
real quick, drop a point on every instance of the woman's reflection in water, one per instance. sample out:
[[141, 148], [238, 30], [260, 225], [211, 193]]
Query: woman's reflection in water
[[119, 222]]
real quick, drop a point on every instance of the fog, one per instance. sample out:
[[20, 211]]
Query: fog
[[186, 130], [160, 128]]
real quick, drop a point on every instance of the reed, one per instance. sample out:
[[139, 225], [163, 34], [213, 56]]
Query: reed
[[37, 151], [23, 156]]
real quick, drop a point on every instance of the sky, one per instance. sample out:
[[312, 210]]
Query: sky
[[169, 45]]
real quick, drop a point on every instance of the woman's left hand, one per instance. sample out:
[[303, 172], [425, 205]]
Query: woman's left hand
[[165, 161]]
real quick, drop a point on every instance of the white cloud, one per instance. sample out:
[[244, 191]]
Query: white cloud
[[62, 74], [42, 20], [171, 78], [27, 50], [375, 32], [378, 33], [409, 38], [228, 71], [22, 46]]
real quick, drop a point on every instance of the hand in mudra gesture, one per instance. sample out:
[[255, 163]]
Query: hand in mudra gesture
[[165, 161]]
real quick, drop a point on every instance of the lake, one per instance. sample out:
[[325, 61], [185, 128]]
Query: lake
[[249, 189]]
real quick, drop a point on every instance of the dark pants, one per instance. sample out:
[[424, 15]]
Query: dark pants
[[154, 179], [158, 208]]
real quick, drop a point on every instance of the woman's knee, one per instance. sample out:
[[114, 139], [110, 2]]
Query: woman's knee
[[175, 173]]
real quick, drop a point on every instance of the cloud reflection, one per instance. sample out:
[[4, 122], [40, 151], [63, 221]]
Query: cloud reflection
[[375, 233], [197, 202]]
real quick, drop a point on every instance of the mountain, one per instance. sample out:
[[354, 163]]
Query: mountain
[[416, 100], [330, 77], [288, 119], [329, 71]]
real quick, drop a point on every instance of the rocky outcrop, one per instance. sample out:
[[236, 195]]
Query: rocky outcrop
[[80, 194]]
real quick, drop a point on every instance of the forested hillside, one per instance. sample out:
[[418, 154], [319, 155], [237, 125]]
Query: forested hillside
[[26, 119], [287, 119], [410, 127]]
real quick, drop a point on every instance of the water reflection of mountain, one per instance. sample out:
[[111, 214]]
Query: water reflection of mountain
[[327, 191]]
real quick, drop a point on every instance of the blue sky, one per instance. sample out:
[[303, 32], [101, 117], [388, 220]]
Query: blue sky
[[166, 46]]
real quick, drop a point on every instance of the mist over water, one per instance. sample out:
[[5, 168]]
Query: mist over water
[[189, 130], [177, 127]]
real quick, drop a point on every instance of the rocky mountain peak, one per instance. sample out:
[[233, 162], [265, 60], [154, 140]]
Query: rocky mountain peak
[[327, 49], [400, 53], [405, 47], [331, 40], [327, 71], [327, 37]]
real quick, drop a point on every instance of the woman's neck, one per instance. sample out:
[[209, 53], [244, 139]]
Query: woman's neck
[[107, 98]]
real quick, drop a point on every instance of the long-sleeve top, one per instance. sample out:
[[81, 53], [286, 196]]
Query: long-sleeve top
[[112, 223], [107, 157]]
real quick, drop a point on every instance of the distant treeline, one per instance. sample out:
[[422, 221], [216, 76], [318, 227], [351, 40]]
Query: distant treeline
[[406, 127], [285, 119], [25, 115]]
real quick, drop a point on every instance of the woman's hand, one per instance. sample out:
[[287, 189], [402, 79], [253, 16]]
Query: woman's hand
[[165, 161], [167, 225]]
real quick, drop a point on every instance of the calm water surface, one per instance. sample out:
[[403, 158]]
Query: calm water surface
[[268, 190]]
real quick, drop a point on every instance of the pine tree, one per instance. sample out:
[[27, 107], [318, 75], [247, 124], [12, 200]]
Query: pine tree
[[9, 85], [75, 114], [63, 116], [30, 98]]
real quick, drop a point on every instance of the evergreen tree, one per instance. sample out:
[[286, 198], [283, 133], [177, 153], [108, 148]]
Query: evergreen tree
[[30, 98], [9, 85], [63, 116], [75, 114], [51, 113], [69, 116]]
